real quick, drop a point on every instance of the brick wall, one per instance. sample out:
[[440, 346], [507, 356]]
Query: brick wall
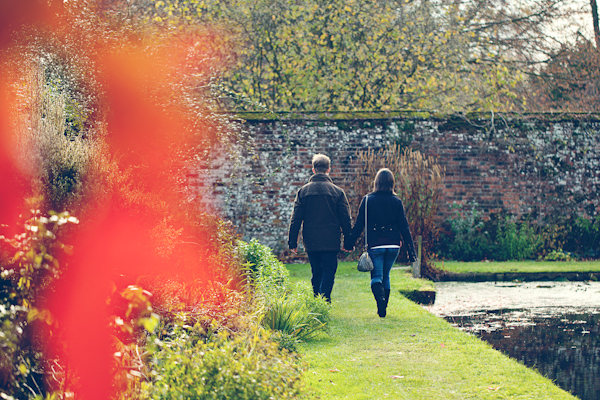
[[521, 166]]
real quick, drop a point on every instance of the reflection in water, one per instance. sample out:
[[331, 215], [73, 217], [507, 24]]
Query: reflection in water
[[563, 345]]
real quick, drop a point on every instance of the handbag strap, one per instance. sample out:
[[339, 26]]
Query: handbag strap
[[366, 228]]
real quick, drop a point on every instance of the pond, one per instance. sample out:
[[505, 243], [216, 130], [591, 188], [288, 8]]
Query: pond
[[553, 327]]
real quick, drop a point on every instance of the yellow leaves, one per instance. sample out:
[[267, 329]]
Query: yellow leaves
[[340, 54], [432, 82]]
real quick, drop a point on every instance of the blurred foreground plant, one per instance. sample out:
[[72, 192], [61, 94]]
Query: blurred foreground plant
[[24, 278]]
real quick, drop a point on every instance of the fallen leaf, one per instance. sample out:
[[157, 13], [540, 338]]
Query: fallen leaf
[[331, 382], [494, 388], [397, 377], [442, 344], [334, 370]]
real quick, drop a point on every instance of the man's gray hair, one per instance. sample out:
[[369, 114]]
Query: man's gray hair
[[321, 163]]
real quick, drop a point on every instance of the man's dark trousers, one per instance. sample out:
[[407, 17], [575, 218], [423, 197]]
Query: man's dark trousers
[[323, 265]]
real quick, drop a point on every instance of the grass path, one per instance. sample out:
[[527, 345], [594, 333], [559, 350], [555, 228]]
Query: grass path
[[410, 354]]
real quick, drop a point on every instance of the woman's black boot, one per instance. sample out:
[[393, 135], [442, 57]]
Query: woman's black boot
[[379, 294], [386, 294]]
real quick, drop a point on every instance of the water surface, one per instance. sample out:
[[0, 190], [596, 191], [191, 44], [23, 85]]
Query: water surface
[[553, 327]]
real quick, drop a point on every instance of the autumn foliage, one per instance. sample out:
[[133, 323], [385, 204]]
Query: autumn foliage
[[141, 133]]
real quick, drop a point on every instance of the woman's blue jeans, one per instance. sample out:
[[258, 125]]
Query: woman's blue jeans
[[383, 260]]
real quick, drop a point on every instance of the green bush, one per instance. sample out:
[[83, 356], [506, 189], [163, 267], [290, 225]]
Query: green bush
[[31, 270], [289, 308], [265, 272], [291, 316], [515, 241], [500, 238], [585, 237], [317, 306], [467, 239], [557, 255], [191, 364]]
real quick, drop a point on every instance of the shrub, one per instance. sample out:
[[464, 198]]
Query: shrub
[[585, 237], [291, 317], [193, 364], [499, 238], [557, 255], [467, 240], [515, 241], [318, 306], [54, 137], [31, 271], [290, 309], [265, 272]]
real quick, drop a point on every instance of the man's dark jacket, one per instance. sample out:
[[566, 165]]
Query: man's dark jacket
[[322, 209]]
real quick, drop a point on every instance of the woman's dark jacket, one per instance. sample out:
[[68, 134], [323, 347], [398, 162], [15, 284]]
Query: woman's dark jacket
[[322, 209], [386, 220]]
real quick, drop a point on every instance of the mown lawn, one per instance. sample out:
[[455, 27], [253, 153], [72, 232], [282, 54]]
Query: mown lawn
[[411, 354], [518, 266]]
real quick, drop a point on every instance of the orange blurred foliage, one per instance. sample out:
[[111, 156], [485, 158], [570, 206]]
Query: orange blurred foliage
[[143, 128]]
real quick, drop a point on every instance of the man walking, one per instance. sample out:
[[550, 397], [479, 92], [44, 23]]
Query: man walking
[[322, 209]]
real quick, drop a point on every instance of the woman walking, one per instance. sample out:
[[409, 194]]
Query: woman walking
[[387, 228]]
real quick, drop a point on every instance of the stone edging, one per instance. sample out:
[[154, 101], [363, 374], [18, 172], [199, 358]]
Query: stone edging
[[519, 276]]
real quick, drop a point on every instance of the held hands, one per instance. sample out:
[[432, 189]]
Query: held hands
[[348, 246]]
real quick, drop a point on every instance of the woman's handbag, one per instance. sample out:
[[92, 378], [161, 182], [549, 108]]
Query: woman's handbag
[[365, 264]]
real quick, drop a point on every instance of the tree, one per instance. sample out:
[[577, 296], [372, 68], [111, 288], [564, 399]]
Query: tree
[[438, 55], [569, 81], [353, 55]]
